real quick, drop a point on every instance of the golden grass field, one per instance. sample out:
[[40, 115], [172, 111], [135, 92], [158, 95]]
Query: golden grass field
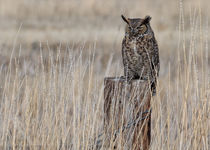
[[54, 55]]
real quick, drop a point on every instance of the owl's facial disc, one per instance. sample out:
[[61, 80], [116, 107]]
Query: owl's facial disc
[[137, 31], [136, 27], [142, 29]]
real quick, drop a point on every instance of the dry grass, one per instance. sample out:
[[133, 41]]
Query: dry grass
[[52, 70]]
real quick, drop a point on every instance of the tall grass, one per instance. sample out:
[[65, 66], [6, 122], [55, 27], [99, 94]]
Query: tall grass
[[181, 108]]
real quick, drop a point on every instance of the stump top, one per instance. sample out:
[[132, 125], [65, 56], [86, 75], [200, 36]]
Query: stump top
[[121, 79]]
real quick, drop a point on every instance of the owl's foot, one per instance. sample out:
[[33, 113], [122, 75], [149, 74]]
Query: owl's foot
[[153, 88], [153, 93], [123, 77]]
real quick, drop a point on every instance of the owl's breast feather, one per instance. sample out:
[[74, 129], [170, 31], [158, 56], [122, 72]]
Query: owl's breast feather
[[133, 45]]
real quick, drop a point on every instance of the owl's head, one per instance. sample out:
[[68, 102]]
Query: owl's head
[[137, 27]]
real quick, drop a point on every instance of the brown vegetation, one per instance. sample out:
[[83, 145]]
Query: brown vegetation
[[54, 55]]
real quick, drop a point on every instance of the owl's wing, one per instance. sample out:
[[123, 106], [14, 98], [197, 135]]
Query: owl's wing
[[156, 61], [124, 51]]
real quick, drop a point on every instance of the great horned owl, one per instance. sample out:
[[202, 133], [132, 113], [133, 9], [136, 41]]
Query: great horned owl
[[140, 50]]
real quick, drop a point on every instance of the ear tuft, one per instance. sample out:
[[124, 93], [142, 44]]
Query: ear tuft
[[126, 20], [147, 19]]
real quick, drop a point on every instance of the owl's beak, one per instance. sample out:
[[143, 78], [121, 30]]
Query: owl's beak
[[133, 32]]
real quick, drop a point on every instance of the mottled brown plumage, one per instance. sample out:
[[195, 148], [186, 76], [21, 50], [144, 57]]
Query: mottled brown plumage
[[140, 50]]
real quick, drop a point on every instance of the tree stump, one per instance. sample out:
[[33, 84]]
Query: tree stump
[[127, 121]]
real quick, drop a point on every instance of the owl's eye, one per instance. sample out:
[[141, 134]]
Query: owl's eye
[[142, 27]]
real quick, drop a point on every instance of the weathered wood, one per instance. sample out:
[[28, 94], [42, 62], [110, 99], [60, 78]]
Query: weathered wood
[[127, 120]]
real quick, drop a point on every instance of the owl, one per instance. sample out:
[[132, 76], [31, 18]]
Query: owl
[[140, 51]]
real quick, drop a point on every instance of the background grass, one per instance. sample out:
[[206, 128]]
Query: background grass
[[54, 55]]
